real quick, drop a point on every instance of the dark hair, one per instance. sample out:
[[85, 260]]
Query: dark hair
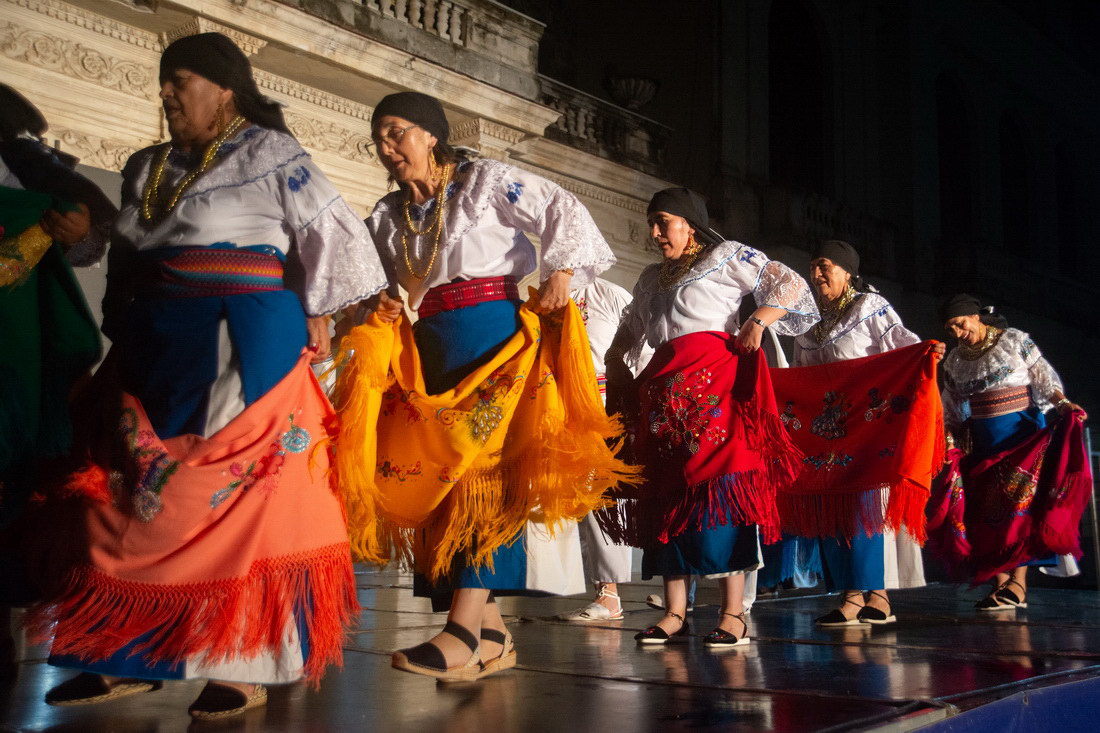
[[18, 115]]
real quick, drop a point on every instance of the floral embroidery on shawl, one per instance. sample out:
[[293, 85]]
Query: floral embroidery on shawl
[[830, 423], [148, 464], [683, 417], [515, 190]]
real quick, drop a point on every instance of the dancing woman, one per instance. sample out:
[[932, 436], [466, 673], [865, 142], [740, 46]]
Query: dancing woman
[[998, 388], [857, 323], [213, 545], [713, 446], [475, 440]]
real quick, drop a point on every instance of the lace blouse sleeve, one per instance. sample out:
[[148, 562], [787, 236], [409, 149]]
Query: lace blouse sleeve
[[778, 286], [339, 263], [1044, 380], [570, 238]]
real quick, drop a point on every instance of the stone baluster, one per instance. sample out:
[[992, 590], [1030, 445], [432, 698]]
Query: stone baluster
[[431, 9], [443, 19], [416, 8]]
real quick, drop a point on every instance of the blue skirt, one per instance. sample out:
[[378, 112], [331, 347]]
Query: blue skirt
[[722, 550], [452, 344], [169, 352], [792, 558]]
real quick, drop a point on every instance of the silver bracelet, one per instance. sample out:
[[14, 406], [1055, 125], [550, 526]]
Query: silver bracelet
[[758, 322], [1063, 401]]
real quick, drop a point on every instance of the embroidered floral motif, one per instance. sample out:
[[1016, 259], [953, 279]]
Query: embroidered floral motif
[[888, 406], [582, 305], [395, 470], [888, 451], [1026, 347], [264, 472], [149, 467], [297, 180], [485, 415], [515, 190], [394, 397], [1017, 491], [830, 423], [546, 378], [445, 475], [958, 526], [788, 417], [748, 254], [986, 382], [827, 460], [682, 408]]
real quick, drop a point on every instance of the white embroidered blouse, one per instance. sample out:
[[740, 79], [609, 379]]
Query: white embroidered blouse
[[1014, 361], [709, 295], [869, 326], [263, 189], [490, 205]]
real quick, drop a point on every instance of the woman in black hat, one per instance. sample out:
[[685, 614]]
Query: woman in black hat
[[199, 562], [453, 236], [855, 322], [708, 432], [998, 392]]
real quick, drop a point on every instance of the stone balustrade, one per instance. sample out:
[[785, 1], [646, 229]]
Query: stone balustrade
[[484, 39], [603, 128]]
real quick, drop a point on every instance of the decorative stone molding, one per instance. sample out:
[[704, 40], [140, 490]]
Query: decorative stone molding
[[91, 21], [75, 59], [251, 45], [94, 150], [466, 132], [330, 137], [295, 90]]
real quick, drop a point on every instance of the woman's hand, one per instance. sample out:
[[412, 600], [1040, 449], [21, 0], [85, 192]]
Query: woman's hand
[[389, 309], [750, 335], [554, 292], [319, 339], [939, 349], [67, 228]]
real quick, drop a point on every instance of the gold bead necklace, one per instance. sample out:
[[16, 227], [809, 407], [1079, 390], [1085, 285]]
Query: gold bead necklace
[[150, 197], [831, 313], [971, 353], [436, 226]]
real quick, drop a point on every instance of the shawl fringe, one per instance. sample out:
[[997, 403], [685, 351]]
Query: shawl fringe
[[216, 621], [899, 507]]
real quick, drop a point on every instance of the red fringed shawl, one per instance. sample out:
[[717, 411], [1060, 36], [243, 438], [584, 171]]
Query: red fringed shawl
[[872, 432], [712, 444], [991, 515]]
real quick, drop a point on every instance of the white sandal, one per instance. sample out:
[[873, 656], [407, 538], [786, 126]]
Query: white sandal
[[596, 611]]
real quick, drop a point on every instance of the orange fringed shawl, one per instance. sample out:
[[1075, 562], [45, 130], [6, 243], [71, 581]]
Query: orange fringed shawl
[[522, 437], [215, 544]]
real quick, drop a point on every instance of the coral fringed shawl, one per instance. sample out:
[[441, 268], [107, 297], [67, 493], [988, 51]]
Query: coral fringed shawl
[[215, 548], [872, 432], [714, 449], [990, 515], [522, 437]]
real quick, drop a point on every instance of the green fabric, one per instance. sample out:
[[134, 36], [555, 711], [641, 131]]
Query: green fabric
[[48, 339]]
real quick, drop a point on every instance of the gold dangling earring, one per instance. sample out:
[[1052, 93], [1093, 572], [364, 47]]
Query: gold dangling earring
[[692, 246], [432, 175]]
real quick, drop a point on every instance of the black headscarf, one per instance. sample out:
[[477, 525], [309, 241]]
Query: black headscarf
[[964, 304], [845, 255], [18, 115], [420, 109], [691, 206], [215, 57]]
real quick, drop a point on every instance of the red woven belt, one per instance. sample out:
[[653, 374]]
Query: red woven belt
[[453, 296], [997, 402]]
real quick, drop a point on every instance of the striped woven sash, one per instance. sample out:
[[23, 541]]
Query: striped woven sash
[[194, 272], [997, 402]]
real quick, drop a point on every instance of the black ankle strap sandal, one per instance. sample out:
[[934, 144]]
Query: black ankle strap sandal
[[722, 638], [428, 659]]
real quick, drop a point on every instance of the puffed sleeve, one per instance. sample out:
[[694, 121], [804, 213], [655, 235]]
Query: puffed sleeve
[[570, 238], [1044, 380], [888, 331], [338, 262], [775, 285]]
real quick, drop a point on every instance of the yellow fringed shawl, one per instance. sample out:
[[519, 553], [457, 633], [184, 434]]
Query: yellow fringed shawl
[[522, 437]]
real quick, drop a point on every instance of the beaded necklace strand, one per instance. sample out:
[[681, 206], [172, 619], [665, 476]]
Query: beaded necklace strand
[[150, 197], [436, 226], [971, 353], [831, 313], [672, 270]]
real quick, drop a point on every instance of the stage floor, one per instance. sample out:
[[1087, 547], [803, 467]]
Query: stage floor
[[941, 657]]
